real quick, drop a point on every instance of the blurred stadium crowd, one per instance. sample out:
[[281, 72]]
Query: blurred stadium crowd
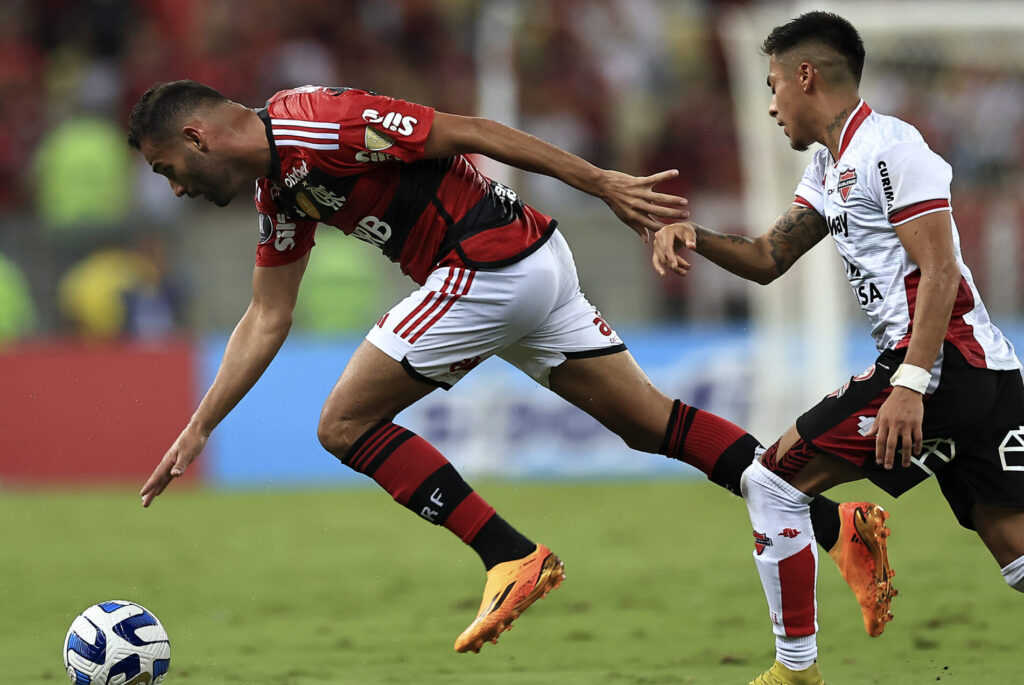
[[93, 244]]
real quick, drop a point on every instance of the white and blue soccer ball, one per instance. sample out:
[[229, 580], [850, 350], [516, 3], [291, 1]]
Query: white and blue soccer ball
[[116, 643]]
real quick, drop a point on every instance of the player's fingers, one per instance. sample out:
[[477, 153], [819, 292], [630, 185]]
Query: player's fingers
[[890, 448], [880, 437], [656, 261], [180, 464], [153, 487], [655, 179], [666, 199], [665, 211]]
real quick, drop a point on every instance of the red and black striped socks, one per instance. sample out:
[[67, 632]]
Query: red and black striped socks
[[419, 478], [719, 448]]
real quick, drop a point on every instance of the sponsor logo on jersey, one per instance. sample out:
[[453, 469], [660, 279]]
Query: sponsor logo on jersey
[[839, 224], [847, 180], [266, 228], [395, 122], [364, 156], [375, 141], [761, 541], [372, 230], [883, 174], [790, 533], [292, 178]]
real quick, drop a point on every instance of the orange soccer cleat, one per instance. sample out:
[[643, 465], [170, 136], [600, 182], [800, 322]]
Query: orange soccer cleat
[[863, 559], [511, 587]]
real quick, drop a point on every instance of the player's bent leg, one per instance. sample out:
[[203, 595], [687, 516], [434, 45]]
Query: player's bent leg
[[355, 426], [373, 387], [614, 390], [786, 559], [860, 549]]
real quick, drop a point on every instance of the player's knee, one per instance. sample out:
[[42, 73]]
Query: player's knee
[[337, 434]]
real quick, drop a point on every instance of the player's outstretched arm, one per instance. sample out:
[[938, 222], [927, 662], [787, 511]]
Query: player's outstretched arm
[[632, 198], [761, 259], [250, 349]]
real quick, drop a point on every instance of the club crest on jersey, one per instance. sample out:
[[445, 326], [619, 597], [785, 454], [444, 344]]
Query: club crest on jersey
[[761, 541], [847, 180]]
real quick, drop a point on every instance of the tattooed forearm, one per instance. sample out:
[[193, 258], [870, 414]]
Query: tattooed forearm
[[704, 237], [793, 234]]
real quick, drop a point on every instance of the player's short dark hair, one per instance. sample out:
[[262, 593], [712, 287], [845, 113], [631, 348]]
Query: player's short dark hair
[[823, 28], [162, 106]]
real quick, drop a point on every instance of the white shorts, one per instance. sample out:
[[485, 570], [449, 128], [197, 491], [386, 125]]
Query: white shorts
[[530, 313]]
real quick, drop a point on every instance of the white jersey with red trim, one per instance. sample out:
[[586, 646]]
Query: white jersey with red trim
[[886, 175]]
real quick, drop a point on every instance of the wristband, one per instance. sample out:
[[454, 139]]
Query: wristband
[[913, 377]]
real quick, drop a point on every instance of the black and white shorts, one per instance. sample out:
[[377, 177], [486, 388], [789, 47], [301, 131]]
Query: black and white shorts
[[973, 432]]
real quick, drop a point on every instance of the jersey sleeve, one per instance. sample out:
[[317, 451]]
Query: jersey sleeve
[[373, 129], [911, 181], [282, 241], [810, 191]]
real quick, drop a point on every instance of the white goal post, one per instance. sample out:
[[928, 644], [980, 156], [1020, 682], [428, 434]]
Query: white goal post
[[803, 323]]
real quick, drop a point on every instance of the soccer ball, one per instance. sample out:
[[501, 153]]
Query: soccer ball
[[116, 643]]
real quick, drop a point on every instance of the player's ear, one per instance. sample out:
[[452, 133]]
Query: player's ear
[[195, 137], [806, 75]]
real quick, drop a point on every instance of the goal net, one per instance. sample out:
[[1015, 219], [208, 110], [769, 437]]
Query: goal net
[[955, 70]]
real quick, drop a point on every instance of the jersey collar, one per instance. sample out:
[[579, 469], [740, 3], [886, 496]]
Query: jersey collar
[[853, 123], [275, 161]]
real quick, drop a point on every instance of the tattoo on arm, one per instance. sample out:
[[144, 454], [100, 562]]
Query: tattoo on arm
[[704, 235], [793, 234]]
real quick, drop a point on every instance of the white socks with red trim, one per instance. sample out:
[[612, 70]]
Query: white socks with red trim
[[787, 561]]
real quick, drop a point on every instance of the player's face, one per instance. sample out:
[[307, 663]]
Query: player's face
[[785, 106], [192, 171]]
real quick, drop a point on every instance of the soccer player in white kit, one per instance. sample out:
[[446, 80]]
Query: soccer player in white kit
[[945, 394]]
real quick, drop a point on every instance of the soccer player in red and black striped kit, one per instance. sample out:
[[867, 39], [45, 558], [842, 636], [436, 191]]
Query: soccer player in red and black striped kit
[[496, 278]]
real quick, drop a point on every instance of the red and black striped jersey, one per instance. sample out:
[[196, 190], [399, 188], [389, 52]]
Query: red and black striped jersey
[[354, 160]]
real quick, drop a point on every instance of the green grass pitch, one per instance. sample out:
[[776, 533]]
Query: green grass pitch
[[344, 586]]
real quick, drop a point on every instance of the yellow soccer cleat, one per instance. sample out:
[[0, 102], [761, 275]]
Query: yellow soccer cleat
[[511, 587], [863, 559], [780, 675]]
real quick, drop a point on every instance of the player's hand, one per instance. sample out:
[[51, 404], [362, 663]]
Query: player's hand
[[634, 200], [182, 453], [667, 243], [898, 423]]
